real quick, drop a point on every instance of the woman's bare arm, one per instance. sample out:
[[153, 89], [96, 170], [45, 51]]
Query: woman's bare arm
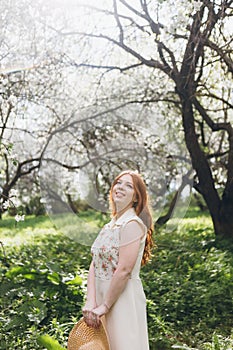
[[128, 254], [91, 296]]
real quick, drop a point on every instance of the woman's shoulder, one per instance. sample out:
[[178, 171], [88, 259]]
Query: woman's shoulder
[[128, 216]]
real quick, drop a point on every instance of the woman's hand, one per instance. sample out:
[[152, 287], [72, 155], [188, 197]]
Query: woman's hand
[[92, 317], [89, 318], [98, 312], [101, 310]]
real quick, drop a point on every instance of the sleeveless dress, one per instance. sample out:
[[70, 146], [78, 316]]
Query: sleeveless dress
[[126, 322]]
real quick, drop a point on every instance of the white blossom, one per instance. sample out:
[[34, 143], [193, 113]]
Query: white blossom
[[6, 204], [13, 192], [12, 100], [43, 200], [19, 217], [197, 5]]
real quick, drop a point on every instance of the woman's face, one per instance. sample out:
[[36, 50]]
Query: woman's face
[[123, 192]]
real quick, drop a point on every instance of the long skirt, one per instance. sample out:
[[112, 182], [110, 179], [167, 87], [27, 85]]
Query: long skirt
[[126, 322]]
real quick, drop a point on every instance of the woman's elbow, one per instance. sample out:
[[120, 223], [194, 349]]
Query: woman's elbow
[[123, 272]]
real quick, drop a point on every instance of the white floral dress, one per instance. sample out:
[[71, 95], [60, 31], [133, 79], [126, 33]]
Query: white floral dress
[[126, 322]]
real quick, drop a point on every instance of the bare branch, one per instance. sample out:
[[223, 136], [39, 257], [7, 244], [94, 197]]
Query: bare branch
[[121, 35], [92, 159], [3, 127], [149, 62], [120, 16], [155, 27], [108, 68], [217, 155], [174, 70], [214, 126], [132, 9], [222, 54], [218, 98], [7, 168], [186, 180]]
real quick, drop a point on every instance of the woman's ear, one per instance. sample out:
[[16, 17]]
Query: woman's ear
[[135, 201]]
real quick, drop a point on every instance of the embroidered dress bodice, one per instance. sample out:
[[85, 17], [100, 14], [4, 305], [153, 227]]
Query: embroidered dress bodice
[[105, 249], [126, 322]]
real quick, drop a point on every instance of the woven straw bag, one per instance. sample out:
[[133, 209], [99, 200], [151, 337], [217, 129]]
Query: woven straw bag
[[83, 337]]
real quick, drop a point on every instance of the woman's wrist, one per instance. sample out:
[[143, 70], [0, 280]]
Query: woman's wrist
[[89, 304], [106, 306]]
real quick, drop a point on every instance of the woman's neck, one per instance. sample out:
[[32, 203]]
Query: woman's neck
[[120, 212]]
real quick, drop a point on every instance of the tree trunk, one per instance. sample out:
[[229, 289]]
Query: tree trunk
[[221, 211], [162, 220], [3, 198], [71, 203], [225, 224]]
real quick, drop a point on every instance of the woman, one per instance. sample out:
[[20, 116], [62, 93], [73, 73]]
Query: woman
[[114, 288]]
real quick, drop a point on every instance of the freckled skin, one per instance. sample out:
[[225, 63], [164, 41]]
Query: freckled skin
[[123, 192]]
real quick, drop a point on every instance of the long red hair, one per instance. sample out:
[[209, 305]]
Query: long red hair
[[141, 206]]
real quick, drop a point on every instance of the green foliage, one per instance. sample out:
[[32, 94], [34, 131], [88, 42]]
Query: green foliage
[[49, 343], [188, 284], [35, 206], [219, 343], [42, 287]]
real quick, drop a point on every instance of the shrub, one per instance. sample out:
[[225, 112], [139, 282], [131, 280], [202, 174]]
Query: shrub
[[43, 286], [189, 287]]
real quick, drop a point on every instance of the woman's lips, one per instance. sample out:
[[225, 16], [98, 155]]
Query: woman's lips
[[119, 193]]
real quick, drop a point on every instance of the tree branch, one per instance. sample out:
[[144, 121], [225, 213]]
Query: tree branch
[[121, 16], [174, 70], [89, 161], [228, 61], [108, 68], [132, 9], [3, 127], [121, 35], [217, 155], [218, 98], [214, 126], [185, 181], [148, 62], [155, 27]]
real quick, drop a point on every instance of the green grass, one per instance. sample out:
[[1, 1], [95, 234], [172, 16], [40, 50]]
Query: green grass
[[38, 227], [188, 283], [23, 232], [196, 212], [189, 287]]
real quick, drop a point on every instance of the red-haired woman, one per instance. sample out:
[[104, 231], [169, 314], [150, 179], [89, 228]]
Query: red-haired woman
[[114, 288]]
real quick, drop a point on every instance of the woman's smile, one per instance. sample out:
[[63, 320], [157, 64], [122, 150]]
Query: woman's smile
[[118, 193]]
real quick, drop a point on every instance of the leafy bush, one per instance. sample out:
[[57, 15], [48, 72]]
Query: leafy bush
[[42, 287], [189, 287]]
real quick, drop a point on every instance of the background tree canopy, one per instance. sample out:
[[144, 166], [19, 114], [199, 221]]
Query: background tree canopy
[[87, 91]]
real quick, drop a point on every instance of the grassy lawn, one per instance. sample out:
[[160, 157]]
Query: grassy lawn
[[23, 232], [188, 283], [36, 228]]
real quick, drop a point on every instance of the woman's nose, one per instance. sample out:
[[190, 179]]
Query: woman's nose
[[120, 186]]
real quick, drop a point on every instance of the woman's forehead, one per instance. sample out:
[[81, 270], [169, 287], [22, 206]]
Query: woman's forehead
[[126, 178]]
